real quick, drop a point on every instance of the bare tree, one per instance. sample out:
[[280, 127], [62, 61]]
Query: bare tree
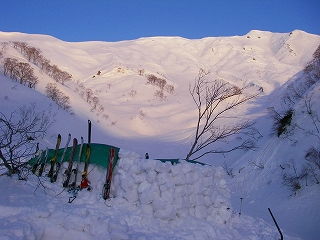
[[32, 54], [23, 72], [313, 156], [3, 48], [312, 113], [140, 72], [20, 46], [8, 66], [292, 177], [18, 135], [132, 93], [213, 101], [159, 95], [59, 97], [313, 67], [95, 102], [169, 89], [89, 94], [52, 91], [20, 71]]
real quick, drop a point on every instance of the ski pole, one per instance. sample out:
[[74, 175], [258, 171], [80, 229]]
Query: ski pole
[[89, 131], [240, 206], [275, 222]]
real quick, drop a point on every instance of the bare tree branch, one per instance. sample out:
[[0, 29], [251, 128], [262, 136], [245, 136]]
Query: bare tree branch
[[18, 135], [213, 101]]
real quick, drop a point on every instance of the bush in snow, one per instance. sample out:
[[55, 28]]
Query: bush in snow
[[280, 123], [292, 178]]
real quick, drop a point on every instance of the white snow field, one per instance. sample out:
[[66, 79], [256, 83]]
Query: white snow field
[[151, 199]]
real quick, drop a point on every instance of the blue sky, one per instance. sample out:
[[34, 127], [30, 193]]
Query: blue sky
[[116, 20]]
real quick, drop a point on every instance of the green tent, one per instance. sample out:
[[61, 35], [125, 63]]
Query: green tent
[[99, 154]]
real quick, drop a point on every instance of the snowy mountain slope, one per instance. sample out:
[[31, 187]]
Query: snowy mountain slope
[[29, 211], [178, 60], [258, 176], [140, 122]]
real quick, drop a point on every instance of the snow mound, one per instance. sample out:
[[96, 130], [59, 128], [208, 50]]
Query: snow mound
[[168, 192]]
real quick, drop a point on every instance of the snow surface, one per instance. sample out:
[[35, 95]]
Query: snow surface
[[153, 200]]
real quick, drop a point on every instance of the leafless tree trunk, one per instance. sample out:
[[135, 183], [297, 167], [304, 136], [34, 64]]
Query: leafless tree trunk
[[213, 101]]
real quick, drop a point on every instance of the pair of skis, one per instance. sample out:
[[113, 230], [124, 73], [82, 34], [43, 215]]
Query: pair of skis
[[54, 159], [72, 185], [55, 166], [54, 176], [73, 172], [43, 163]]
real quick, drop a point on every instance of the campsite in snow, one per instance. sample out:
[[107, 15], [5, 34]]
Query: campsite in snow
[[208, 137]]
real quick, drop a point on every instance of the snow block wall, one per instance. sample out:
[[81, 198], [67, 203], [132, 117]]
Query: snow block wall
[[169, 191]]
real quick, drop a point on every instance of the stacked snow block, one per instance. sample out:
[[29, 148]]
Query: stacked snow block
[[169, 191]]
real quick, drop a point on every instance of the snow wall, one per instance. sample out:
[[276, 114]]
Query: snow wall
[[169, 191]]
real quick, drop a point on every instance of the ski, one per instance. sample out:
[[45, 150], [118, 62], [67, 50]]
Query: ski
[[54, 159], [35, 166], [58, 164], [107, 184], [73, 184], [43, 164], [67, 173], [84, 182]]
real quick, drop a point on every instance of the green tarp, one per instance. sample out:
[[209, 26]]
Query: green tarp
[[99, 154]]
